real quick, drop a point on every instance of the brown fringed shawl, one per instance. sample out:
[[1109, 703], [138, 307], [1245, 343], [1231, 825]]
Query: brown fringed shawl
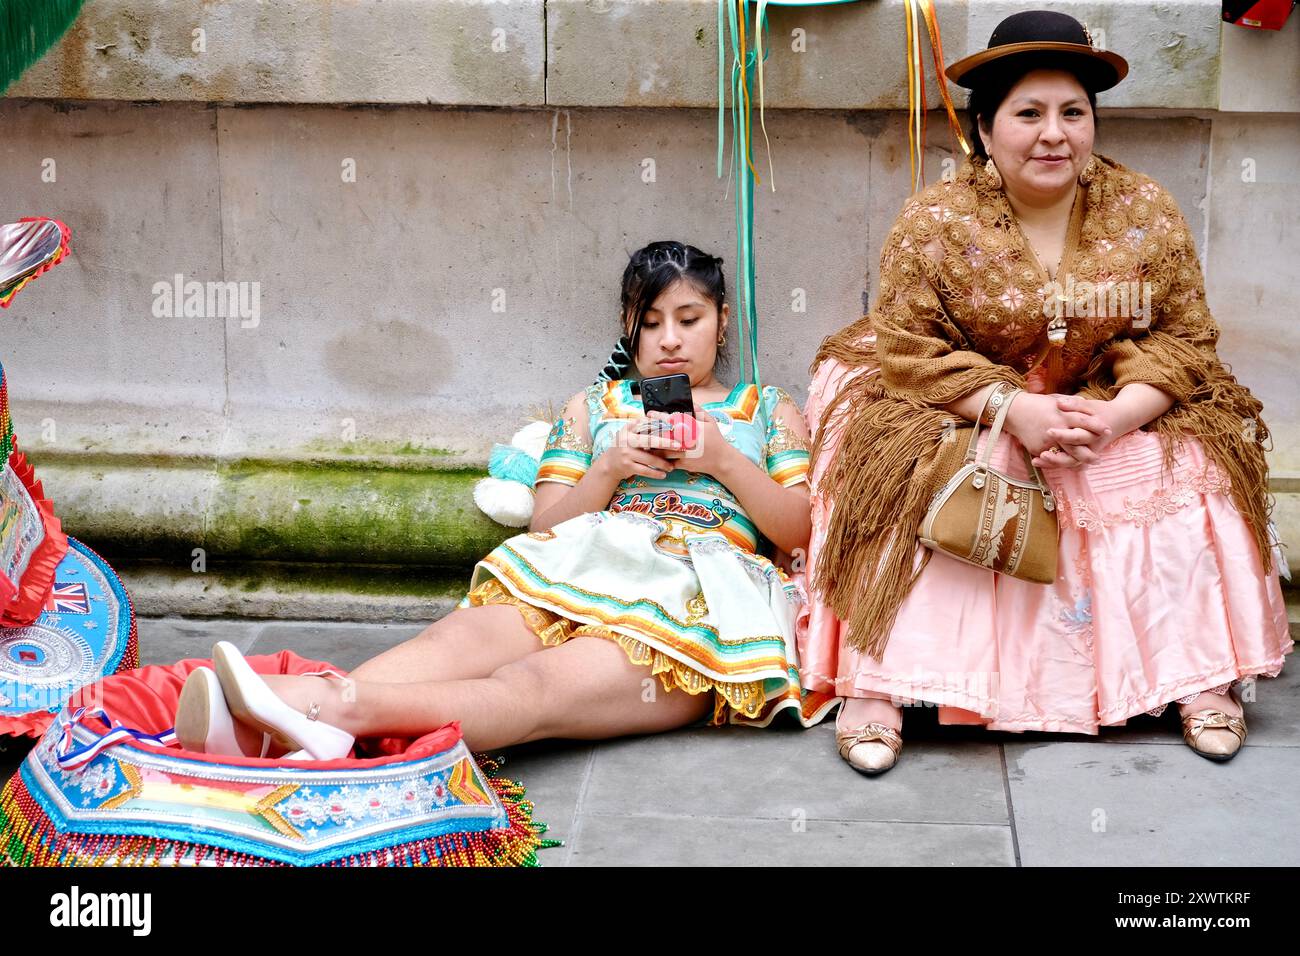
[[961, 305]]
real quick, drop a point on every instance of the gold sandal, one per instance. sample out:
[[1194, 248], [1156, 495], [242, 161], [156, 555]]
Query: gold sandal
[[886, 736], [1222, 746]]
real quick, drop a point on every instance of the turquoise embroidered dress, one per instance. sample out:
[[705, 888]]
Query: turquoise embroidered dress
[[672, 569]]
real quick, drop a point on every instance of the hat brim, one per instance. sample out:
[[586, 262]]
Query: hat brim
[[1111, 67]]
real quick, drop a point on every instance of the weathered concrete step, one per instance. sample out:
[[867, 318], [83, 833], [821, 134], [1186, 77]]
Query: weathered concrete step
[[185, 513], [270, 590]]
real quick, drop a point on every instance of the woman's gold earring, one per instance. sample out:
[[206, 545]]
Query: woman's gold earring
[[1089, 171], [991, 172]]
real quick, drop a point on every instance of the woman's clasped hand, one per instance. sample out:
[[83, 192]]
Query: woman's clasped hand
[[1062, 430]]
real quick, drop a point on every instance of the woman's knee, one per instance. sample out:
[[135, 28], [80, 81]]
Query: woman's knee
[[526, 678], [467, 643], [587, 688], [528, 690]]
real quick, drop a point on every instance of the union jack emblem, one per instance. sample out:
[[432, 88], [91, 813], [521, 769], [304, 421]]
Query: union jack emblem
[[69, 598]]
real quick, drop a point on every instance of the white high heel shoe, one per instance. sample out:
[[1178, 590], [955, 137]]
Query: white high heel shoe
[[253, 702], [203, 721]]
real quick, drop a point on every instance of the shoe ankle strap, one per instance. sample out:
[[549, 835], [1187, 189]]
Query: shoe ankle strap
[[313, 710]]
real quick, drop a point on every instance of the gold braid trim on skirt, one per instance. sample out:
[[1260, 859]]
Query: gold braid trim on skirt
[[553, 629]]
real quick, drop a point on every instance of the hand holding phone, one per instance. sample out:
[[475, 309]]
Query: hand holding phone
[[678, 427], [671, 396]]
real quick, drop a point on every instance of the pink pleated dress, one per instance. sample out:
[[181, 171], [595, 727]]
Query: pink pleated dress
[[1160, 595]]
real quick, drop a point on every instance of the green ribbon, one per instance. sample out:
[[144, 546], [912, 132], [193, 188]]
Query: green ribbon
[[740, 135]]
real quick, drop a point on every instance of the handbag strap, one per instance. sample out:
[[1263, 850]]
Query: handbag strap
[[982, 464]]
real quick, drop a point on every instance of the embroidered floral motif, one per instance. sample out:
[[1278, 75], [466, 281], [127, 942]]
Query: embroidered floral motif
[[1165, 501], [564, 434], [99, 779], [350, 805], [781, 437], [1078, 619], [960, 239], [96, 780]]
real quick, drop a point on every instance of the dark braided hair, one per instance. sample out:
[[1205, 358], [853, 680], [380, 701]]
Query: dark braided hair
[[649, 271]]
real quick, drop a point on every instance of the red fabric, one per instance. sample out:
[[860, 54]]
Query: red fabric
[[28, 725], [23, 600], [145, 699]]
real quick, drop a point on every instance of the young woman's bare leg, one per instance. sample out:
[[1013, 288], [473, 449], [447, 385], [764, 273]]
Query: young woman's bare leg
[[585, 688], [468, 642]]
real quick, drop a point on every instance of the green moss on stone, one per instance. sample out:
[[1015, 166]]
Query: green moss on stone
[[364, 448], [350, 515]]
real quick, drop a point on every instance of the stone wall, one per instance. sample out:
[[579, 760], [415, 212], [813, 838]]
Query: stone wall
[[434, 201]]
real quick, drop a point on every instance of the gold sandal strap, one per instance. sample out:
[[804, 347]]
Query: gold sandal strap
[[1194, 724]]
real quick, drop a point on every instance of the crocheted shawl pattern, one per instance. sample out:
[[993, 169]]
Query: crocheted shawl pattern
[[961, 305]]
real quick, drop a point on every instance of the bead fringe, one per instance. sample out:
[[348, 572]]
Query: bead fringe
[[29, 838]]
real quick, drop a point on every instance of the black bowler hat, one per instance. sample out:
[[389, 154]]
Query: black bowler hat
[[1046, 36]]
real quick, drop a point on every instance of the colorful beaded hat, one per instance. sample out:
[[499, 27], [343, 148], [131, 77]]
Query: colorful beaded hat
[[109, 785]]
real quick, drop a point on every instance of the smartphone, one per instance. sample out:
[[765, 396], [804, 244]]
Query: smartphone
[[667, 394], [670, 394]]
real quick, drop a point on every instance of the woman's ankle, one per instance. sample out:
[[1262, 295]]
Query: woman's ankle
[[856, 711], [1208, 701], [335, 698]]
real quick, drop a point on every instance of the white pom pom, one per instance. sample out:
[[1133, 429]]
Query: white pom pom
[[531, 439], [505, 502]]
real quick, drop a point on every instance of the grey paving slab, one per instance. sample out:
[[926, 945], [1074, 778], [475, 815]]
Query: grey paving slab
[[1131, 805], [167, 640], [776, 774], [729, 841], [345, 645], [554, 774]]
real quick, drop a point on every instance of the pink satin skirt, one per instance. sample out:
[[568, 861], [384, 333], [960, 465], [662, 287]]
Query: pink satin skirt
[[1160, 595]]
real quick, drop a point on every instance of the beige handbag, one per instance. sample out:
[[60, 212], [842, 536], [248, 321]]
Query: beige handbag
[[989, 519]]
